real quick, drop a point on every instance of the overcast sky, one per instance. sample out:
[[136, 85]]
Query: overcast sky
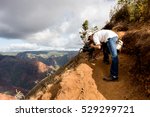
[[48, 24]]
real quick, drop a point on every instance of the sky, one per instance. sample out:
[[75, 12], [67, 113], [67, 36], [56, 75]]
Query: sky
[[27, 25]]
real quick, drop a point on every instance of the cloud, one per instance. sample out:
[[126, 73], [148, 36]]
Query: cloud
[[22, 47], [89, 13], [64, 26], [51, 23]]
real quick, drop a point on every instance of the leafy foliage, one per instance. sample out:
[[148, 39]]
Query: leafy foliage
[[85, 25], [138, 10]]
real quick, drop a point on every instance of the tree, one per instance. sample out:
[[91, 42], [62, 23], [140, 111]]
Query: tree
[[85, 27], [85, 30]]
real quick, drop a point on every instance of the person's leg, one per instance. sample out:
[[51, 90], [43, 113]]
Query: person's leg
[[91, 51], [113, 51], [105, 53]]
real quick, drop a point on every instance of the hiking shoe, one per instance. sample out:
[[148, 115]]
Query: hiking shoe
[[109, 78]]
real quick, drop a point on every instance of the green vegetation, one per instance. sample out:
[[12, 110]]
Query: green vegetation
[[131, 10], [85, 27]]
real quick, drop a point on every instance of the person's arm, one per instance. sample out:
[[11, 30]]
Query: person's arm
[[98, 46], [96, 43]]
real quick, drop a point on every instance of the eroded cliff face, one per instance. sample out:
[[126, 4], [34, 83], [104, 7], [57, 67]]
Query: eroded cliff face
[[75, 83], [42, 67]]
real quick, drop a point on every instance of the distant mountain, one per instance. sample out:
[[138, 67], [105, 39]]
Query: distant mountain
[[54, 58], [24, 70], [18, 73]]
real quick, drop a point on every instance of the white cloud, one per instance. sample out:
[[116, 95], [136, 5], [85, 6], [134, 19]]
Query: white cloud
[[51, 23], [90, 13], [42, 36], [23, 47], [64, 26]]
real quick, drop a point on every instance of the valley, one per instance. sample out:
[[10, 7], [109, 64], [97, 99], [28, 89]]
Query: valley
[[22, 71]]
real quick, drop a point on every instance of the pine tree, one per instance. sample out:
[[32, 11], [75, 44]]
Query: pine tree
[[85, 27]]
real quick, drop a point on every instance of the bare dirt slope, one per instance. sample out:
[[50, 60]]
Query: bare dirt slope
[[83, 80], [74, 84], [126, 88]]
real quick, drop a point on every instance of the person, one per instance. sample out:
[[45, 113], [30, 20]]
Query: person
[[110, 38], [87, 48], [92, 52], [105, 53]]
